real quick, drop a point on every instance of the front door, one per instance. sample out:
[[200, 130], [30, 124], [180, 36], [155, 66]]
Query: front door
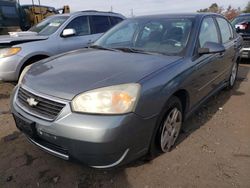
[[81, 39], [207, 66]]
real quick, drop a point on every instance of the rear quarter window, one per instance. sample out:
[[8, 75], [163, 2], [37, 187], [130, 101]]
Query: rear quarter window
[[115, 20]]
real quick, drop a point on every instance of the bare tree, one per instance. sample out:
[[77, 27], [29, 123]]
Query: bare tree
[[213, 8], [247, 9], [230, 13]]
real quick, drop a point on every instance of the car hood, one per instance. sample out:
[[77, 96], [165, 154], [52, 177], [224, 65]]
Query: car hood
[[67, 75], [13, 40]]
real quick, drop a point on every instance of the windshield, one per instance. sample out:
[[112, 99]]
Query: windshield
[[168, 36], [240, 20], [49, 25]]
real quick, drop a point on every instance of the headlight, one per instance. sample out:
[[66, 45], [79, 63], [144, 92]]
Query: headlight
[[6, 52], [119, 99], [25, 70]]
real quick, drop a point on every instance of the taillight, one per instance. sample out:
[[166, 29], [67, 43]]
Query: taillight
[[244, 26]]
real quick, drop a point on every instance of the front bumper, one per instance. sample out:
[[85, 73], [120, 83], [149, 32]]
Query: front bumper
[[96, 140], [9, 68], [245, 53]]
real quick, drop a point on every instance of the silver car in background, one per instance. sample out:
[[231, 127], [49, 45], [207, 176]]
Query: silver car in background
[[55, 35]]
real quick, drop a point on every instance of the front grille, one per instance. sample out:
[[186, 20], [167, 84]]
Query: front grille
[[246, 44], [45, 108]]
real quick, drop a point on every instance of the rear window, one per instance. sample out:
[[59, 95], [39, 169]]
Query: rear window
[[240, 19], [100, 24], [9, 11]]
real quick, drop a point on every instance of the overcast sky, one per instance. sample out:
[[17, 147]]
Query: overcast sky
[[140, 7]]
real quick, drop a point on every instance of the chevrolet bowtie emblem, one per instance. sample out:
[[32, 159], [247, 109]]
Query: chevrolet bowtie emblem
[[32, 102]]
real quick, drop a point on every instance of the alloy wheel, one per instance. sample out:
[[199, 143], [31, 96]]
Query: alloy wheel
[[233, 74], [171, 129]]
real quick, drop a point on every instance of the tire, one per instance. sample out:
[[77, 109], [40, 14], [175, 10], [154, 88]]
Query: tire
[[169, 128], [233, 76]]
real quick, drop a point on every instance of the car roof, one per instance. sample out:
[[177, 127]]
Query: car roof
[[95, 12], [177, 15], [89, 12], [245, 14]]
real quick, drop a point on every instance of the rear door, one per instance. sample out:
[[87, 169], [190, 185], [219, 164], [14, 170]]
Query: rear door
[[82, 38], [230, 44]]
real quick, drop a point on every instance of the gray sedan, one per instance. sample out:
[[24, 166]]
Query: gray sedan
[[128, 94], [57, 34]]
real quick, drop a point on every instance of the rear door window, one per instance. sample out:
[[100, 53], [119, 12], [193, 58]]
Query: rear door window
[[100, 24], [231, 30], [208, 32], [226, 33]]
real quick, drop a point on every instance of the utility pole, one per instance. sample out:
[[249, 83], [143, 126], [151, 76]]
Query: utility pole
[[111, 8], [39, 2], [132, 12]]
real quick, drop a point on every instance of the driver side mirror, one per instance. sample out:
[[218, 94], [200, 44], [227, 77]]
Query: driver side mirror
[[68, 32], [211, 48]]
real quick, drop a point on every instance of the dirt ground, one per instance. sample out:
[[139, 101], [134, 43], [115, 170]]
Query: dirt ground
[[213, 151]]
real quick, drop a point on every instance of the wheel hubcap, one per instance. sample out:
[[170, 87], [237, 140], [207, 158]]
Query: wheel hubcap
[[171, 129], [233, 75]]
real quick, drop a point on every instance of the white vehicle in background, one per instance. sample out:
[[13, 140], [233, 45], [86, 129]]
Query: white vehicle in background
[[56, 34], [242, 26]]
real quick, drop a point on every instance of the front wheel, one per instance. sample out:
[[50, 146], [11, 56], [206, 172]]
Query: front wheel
[[169, 128]]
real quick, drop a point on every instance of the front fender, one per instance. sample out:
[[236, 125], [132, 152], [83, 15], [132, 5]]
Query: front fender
[[160, 86]]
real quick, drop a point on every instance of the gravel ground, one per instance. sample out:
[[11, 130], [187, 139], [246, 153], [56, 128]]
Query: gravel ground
[[213, 151]]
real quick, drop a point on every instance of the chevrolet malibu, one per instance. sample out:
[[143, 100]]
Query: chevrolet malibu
[[128, 94]]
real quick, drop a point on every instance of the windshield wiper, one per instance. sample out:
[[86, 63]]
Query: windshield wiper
[[101, 48], [134, 50]]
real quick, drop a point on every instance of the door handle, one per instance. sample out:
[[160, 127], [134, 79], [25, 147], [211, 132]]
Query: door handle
[[89, 42], [236, 44], [221, 55]]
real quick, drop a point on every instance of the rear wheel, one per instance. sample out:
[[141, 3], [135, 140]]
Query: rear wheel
[[233, 76], [169, 128]]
